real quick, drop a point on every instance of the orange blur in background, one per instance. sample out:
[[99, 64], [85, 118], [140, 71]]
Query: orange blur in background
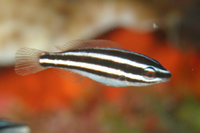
[[49, 103]]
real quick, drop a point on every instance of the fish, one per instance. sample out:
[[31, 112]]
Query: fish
[[103, 61], [7, 126]]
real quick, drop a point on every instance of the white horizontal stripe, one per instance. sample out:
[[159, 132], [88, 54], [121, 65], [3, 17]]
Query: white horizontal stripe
[[96, 68], [109, 81], [161, 70], [106, 57], [112, 58]]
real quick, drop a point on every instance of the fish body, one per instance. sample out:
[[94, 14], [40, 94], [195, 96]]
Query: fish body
[[99, 60]]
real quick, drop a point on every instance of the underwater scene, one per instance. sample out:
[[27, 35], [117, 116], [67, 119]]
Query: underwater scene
[[99, 66]]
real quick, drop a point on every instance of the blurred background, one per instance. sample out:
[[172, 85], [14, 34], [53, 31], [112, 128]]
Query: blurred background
[[166, 30]]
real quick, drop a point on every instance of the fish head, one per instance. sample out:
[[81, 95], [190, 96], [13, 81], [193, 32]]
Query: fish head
[[156, 74]]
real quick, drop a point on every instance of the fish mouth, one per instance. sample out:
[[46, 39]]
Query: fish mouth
[[164, 77], [169, 75], [165, 80]]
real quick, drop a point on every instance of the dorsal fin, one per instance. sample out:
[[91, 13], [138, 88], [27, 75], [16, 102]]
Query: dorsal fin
[[69, 75], [80, 44]]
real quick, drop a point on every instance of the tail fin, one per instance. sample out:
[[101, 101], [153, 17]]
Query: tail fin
[[27, 61]]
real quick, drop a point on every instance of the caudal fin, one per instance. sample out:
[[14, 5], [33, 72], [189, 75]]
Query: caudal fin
[[27, 61]]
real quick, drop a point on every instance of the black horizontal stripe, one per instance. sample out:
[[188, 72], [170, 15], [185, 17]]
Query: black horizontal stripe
[[107, 63], [124, 54], [107, 75], [163, 75]]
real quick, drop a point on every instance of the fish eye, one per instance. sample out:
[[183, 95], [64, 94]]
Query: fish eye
[[149, 73]]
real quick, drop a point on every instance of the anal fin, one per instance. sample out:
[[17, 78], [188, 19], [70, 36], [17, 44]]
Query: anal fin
[[68, 75]]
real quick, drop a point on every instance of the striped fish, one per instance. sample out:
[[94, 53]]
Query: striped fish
[[100, 60]]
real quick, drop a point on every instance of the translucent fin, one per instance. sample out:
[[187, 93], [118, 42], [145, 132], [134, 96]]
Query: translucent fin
[[69, 75], [80, 44], [27, 61]]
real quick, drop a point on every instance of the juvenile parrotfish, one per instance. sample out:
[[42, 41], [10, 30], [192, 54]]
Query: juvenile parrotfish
[[100, 60]]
